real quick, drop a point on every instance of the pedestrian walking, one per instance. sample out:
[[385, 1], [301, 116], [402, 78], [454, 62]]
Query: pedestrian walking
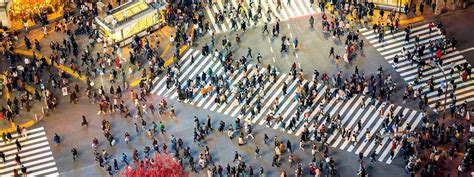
[[56, 139], [74, 154], [302, 145], [278, 4], [265, 28], [124, 158], [265, 138], [116, 168], [137, 128], [17, 159], [172, 112], [162, 127], [23, 170], [84, 121], [337, 60], [3, 157], [288, 146], [259, 58], [249, 53], [373, 155], [257, 152], [392, 153], [18, 145], [275, 161], [45, 31], [236, 156]]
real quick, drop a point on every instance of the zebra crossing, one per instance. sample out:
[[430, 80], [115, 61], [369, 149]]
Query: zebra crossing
[[393, 45], [221, 12], [352, 112], [35, 155]]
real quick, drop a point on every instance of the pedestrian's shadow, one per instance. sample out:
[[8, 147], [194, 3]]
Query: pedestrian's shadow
[[337, 41], [326, 35], [362, 53]]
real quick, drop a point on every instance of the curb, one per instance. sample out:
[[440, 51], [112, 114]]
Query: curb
[[13, 126], [59, 66]]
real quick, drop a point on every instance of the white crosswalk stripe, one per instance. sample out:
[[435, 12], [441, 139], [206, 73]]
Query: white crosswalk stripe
[[320, 90], [294, 9], [35, 154], [350, 125], [372, 139], [350, 109], [393, 45], [345, 118]]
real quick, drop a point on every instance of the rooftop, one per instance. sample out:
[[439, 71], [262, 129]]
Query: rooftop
[[129, 9], [124, 13]]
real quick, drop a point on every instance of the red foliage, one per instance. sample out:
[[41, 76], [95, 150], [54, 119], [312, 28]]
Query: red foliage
[[163, 166]]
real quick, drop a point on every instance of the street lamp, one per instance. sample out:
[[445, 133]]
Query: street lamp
[[445, 89]]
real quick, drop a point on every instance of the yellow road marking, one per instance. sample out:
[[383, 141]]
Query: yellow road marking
[[166, 50], [135, 83], [62, 67], [13, 126], [38, 37], [5, 88], [192, 30], [7, 93], [171, 60], [30, 89], [27, 124], [167, 63], [411, 20]]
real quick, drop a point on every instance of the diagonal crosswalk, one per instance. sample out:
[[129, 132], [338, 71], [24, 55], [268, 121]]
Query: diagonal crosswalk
[[222, 14], [393, 45], [35, 155], [273, 101]]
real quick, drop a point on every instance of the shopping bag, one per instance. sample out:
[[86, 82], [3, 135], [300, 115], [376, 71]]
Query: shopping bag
[[64, 91]]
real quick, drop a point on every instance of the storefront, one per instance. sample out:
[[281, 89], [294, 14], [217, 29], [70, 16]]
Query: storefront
[[398, 5], [129, 19], [16, 12]]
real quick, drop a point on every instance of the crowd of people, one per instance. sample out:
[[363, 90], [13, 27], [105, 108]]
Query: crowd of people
[[250, 92]]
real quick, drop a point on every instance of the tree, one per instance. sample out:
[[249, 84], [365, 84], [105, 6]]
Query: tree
[[160, 165]]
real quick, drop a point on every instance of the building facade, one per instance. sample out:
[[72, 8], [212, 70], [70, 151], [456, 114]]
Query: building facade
[[398, 5], [4, 6]]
